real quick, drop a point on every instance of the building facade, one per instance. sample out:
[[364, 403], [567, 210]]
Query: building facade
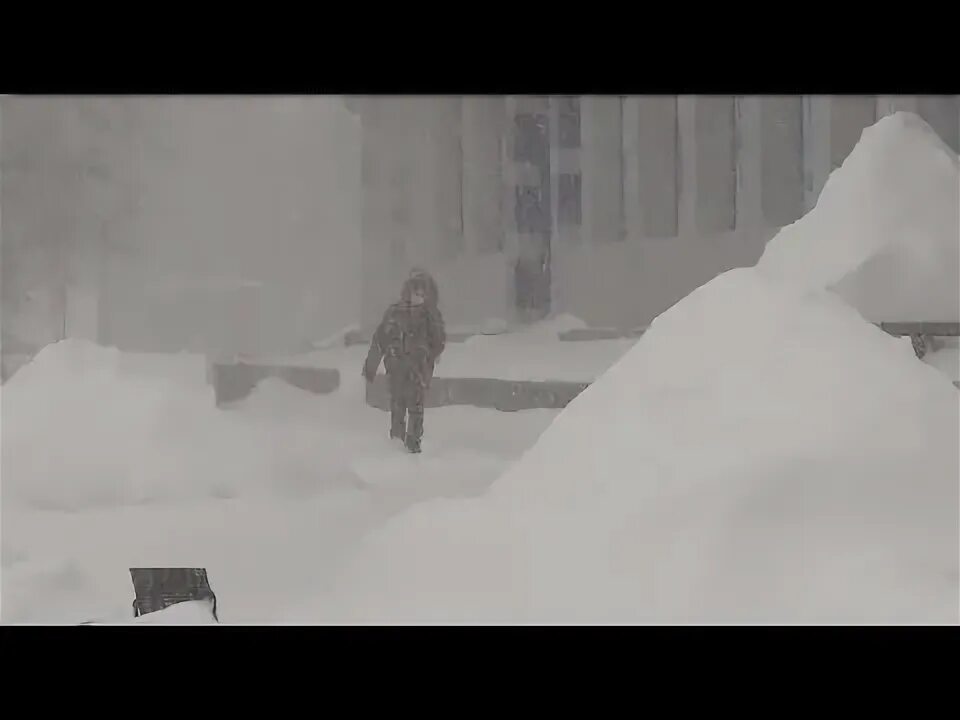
[[260, 225], [608, 208]]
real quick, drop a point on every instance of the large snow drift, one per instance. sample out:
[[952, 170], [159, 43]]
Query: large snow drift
[[762, 454]]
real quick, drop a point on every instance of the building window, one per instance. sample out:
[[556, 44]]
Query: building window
[[531, 153], [716, 163], [782, 159], [532, 211], [568, 129], [530, 143], [568, 199], [658, 153]]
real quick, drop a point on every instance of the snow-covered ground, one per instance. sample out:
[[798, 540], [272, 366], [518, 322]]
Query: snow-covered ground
[[762, 453], [112, 461]]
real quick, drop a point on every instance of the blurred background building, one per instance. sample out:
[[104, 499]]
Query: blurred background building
[[264, 224]]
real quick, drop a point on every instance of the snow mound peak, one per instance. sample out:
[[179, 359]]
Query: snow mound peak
[[898, 188]]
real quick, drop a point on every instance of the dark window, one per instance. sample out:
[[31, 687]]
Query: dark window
[[530, 139], [568, 199], [532, 212], [568, 129]]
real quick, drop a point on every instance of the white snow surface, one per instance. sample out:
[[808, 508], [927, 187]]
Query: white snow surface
[[112, 461], [763, 454]]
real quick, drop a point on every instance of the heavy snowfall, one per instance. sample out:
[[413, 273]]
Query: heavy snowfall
[[762, 453]]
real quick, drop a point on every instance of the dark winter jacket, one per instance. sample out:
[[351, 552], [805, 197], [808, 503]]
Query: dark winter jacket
[[410, 338]]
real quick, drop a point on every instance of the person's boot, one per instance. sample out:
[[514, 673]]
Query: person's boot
[[414, 430]]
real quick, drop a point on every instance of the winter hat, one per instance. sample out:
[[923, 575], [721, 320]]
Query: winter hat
[[428, 283]]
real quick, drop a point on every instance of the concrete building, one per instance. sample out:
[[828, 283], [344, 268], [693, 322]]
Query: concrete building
[[608, 208], [258, 225]]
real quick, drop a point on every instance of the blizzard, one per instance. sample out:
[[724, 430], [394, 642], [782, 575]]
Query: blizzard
[[762, 454]]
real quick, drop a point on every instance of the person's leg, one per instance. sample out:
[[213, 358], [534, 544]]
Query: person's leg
[[398, 408], [397, 419], [415, 392]]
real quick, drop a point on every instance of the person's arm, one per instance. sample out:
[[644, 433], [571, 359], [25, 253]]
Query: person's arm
[[375, 353], [438, 333]]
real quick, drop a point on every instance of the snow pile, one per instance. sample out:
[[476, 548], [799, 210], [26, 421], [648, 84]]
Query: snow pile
[[88, 426], [762, 454], [886, 228]]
